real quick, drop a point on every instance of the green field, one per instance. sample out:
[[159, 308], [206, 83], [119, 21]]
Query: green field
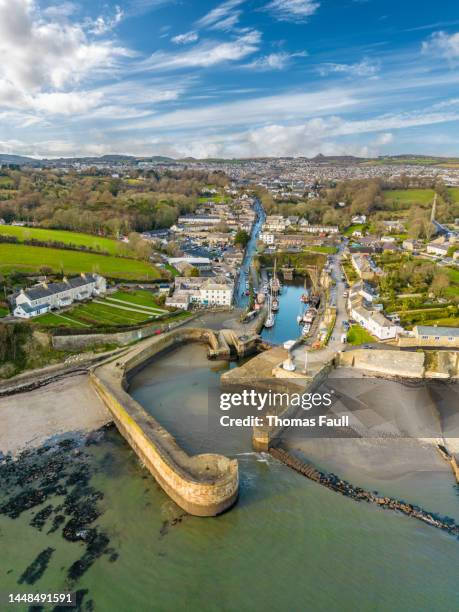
[[454, 191], [138, 298], [358, 335], [24, 258], [322, 249], [5, 182], [96, 243], [218, 197], [407, 197], [3, 311], [172, 270], [119, 308], [453, 289], [355, 228]]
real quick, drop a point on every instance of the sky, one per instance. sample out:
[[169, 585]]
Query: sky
[[238, 78]]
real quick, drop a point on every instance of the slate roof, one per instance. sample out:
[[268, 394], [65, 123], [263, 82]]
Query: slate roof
[[431, 330], [40, 291]]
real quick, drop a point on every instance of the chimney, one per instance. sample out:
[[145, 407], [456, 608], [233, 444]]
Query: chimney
[[83, 275], [45, 284], [65, 280]]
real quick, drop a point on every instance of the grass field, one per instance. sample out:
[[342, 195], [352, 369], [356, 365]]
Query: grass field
[[453, 289], [407, 197], [3, 311], [322, 249], [454, 191], [119, 308], [172, 270], [218, 197], [96, 243], [358, 335], [354, 228], [24, 258], [5, 182]]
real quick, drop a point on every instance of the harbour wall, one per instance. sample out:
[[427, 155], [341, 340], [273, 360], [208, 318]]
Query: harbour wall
[[203, 485], [397, 364], [77, 342]]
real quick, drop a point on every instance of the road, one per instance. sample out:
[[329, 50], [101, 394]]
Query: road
[[337, 296]]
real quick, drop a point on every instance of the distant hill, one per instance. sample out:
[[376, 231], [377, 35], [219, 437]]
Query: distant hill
[[343, 160], [18, 159]]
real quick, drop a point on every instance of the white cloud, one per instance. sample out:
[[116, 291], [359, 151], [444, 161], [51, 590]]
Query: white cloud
[[68, 103], [292, 10], [364, 68], [384, 139], [443, 45], [206, 54], [41, 54], [282, 107], [274, 61], [184, 39], [102, 24], [223, 13], [227, 24]]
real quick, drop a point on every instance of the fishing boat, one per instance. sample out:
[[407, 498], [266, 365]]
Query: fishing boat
[[270, 319], [309, 316], [305, 295], [306, 329], [275, 282], [260, 297], [275, 305]]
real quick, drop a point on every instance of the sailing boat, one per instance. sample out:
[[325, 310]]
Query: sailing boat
[[305, 296], [275, 288], [270, 319]]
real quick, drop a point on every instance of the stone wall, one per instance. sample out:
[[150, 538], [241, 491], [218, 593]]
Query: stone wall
[[203, 485], [83, 341], [385, 362]]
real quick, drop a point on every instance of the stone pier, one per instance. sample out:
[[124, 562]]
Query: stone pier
[[203, 485]]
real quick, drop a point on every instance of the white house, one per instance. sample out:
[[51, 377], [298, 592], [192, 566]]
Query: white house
[[49, 296], [266, 237], [275, 223], [441, 249], [214, 291], [375, 322]]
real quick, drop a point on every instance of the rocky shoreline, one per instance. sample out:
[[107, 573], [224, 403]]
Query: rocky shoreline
[[334, 483], [54, 482]]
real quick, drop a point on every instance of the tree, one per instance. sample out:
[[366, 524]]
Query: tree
[[242, 238], [192, 272], [439, 284]]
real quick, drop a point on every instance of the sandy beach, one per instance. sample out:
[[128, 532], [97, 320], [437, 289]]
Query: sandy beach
[[396, 427], [66, 406]]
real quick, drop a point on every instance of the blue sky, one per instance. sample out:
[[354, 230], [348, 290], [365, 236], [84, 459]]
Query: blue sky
[[239, 78]]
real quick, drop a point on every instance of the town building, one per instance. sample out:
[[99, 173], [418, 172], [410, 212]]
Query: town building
[[44, 297], [431, 335], [214, 291], [375, 322], [200, 263], [439, 248]]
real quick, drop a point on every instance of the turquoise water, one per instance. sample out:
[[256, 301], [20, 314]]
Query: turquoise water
[[288, 544], [286, 326], [240, 299]]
